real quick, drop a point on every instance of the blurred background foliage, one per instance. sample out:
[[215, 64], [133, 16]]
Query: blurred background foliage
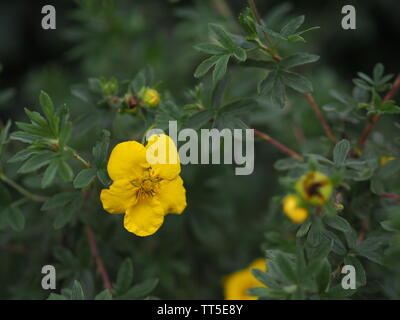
[[223, 226]]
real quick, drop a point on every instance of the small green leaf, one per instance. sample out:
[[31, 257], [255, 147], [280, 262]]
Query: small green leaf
[[50, 173], [298, 59], [104, 295], [16, 219], [266, 85], [292, 26], [65, 171], [22, 155], [77, 291], [297, 82], [206, 65], [37, 161], [124, 277], [340, 152], [222, 36], [60, 200], [140, 290], [211, 48], [84, 178], [220, 68]]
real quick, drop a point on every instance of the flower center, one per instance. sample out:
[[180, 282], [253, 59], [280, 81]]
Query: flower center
[[147, 186]]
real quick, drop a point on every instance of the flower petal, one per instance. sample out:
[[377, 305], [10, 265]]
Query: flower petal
[[162, 155], [120, 196], [144, 218], [172, 195], [127, 160]]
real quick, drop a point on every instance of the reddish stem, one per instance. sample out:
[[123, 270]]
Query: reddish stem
[[96, 256], [390, 195], [320, 117], [278, 145], [374, 119]]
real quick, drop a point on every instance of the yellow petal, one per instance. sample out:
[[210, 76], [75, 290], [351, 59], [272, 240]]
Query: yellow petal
[[120, 196], [172, 195], [144, 218], [162, 155], [259, 264], [127, 161], [237, 284]]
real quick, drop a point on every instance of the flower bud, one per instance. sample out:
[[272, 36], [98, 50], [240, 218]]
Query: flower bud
[[315, 188], [150, 97]]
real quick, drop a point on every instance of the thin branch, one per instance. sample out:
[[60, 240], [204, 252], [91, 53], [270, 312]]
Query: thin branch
[[390, 195], [374, 119], [320, 117], [96, 256], [22, 190], [278, 145]]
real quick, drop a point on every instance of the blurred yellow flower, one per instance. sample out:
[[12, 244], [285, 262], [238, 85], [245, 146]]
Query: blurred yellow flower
[[291, 207], [237, 283], [144, 192], [150, 97], [385, 159], [314, 187]]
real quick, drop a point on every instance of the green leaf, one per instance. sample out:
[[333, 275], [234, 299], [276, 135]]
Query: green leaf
[[292, 26], [124, 277], [266, 85], [238, 107], [84, 178], [65, 172], [222, 36], [64, 217], [338, 223], [60, 200], [324, 276], [104, 295], [15, 219], [278, 93], [211, 48], [48, 109], [303, 230], [206, 65], [264, 278], [199, 119], [340, 152], [37, 161], [220, 68], [286, 267], [22, 155], [77, 291], [47, 105], [296, 82], [378, 71], [240, 54], [5, 196], [50, 173], [298, 59], [4, 135], [100, 150], [267, 293], [56, 296], [140, 290]]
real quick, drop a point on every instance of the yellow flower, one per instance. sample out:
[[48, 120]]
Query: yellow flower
[[144, 192], [150, 97], [315, 188], [385, 159], [292, 209], [237, 283]]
